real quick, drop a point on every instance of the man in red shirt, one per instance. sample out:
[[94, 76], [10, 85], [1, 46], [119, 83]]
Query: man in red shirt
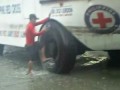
[[30, 34]]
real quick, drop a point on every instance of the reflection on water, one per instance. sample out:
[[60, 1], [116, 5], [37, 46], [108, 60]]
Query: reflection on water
[[13, 76]]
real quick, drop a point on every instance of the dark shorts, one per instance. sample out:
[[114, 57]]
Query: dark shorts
[[32, 51]]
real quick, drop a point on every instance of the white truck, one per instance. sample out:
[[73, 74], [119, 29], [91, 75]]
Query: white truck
[[75, 26]]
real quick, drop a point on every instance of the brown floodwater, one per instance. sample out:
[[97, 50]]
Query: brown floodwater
[[13, 68]]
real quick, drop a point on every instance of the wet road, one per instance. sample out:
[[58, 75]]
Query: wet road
[[13, 67]]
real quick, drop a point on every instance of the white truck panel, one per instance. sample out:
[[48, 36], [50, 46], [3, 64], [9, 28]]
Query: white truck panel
[[14, 17], [75, 21]]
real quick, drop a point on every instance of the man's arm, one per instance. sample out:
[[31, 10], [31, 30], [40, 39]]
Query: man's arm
[[42, 21], [37, 33]]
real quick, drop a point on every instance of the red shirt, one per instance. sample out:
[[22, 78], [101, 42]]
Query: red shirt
[[30, 32]]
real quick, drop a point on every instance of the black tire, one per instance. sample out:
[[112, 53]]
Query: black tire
[[1, 49], [114, 61], [59, 44]]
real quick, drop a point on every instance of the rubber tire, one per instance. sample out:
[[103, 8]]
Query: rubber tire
[[1, 49], [114, 61], [64, 47]]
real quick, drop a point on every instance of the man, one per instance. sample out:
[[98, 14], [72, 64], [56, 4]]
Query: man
[[30, 34]]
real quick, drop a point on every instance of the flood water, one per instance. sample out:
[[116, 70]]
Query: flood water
[[13, 68]]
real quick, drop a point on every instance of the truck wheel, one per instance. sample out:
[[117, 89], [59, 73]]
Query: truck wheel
[[114, 59], [1, 49], [60, 46]]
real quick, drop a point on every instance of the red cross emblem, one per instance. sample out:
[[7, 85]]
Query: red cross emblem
[[101, 20]]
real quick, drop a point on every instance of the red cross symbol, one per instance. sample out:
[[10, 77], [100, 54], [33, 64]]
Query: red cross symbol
[[101, 20]]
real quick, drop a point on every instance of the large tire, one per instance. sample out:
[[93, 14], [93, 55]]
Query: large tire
[[1, 49], [60, 45], [114, 61]]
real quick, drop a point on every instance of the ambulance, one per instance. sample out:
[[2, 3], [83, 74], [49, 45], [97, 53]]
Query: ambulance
[[75, 26]]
